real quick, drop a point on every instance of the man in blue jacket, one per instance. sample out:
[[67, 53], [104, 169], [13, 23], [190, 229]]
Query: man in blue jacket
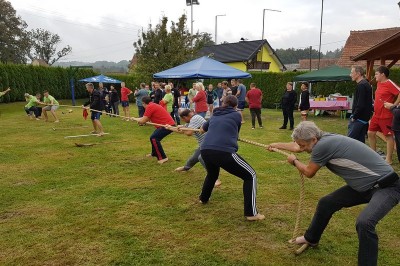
[[218, 150]]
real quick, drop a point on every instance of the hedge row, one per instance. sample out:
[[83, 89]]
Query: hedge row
[[32, 79]]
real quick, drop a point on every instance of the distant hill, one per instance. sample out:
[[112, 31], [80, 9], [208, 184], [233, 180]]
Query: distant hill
[[99, 66]]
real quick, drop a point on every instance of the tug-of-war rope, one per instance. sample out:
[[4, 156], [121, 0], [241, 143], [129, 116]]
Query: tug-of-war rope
[[304, 246], [298, 251]]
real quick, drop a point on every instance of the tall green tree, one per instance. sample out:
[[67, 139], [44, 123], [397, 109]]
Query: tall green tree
[[43, 45], [13, 39], [159, 48]]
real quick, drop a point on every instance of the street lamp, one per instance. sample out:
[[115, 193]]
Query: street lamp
[[262, 38], [216, 23], [191, 3], [320, 34]]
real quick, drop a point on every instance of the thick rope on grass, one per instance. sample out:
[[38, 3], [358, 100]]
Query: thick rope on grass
[[301, 198]]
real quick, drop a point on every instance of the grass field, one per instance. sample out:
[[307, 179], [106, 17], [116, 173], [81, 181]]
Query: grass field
[[110, 205]]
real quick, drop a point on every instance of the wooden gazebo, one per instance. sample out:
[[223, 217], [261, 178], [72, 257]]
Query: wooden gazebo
[[388, 49]]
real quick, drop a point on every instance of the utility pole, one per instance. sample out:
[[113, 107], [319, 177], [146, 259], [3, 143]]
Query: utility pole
[[320, 34], [216, 26], [310, 56], [262, 36], [191, 3]]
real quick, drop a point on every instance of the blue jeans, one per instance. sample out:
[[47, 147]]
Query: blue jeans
[[155, 140], [175, 115], [357, 130], [140, 111], [380, 202], [202, 114]]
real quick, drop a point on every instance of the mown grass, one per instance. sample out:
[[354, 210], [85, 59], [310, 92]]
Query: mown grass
[[110, 205]]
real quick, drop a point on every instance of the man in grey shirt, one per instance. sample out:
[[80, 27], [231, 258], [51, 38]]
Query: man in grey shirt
[[192, 121], [139, 94], [369, 180]]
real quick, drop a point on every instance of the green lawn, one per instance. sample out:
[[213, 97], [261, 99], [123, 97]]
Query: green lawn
[[110, 205]]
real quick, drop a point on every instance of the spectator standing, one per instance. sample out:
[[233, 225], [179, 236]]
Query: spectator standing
[[211, 97], [234, 87], [241, 95], [254, 99], [139, 94], [289, 98], [125, 92], [304, 104], [386, 91], [191, 94], [177, 103], [226, 90], [200, 100], [114, 100], [219, 91], [362, 105]]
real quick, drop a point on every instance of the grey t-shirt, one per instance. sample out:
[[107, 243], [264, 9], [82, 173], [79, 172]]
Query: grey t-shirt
[[350, 159], [197, 121], [139, 95]]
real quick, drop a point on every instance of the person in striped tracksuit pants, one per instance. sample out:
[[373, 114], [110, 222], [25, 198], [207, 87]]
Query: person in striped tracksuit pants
[[218, 150]]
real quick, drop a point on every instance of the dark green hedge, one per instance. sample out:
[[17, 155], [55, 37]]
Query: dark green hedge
[[32, 79]]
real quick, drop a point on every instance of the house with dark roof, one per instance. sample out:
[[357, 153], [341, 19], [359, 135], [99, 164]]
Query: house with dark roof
[[360, 41], [246, 55]]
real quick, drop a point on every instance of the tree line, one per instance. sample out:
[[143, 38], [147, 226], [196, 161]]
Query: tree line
[[292, 55], [18, 45]]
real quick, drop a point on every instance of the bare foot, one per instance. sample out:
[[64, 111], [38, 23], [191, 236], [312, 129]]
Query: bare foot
[[217, 183], [256, 217], [162, 160], [300, 241], [149, 155]]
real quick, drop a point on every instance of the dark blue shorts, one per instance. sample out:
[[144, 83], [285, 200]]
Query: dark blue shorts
[[95, 116], [241, 105], [125, 103]]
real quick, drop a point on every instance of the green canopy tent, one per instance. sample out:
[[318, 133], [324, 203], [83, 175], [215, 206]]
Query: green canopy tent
[[332, 73]]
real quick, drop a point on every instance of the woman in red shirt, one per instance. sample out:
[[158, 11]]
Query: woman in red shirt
[[200, 100]]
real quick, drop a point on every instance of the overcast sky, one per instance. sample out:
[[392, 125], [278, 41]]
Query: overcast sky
[[106, 30]]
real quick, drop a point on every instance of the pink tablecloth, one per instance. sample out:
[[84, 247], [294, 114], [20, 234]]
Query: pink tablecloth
[[330, 105]]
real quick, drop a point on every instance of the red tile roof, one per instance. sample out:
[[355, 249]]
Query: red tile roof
[[359, 41]]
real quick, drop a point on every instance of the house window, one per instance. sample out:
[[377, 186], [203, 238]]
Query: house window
[[258, 65]]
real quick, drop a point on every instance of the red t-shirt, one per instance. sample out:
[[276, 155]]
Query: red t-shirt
[[124, 93], [254, 97], [158, 114], [386, 92], [201, 102]]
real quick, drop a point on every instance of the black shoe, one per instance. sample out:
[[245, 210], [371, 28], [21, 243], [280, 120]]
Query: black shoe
[[291, 128], [282, 127]]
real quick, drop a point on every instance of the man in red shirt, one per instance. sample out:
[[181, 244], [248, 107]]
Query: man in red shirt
[[156, 114], [125, 92], [254, 98], [386, 91]]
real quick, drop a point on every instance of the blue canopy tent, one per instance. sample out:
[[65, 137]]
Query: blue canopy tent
[[100, 78], [203, 67]]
